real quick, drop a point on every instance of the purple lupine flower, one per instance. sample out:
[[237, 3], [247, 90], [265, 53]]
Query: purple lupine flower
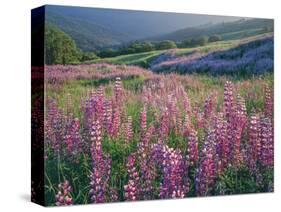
[[113, 195], [208, 107], [241, 107], [206, 173], [101, 166], [115, 122], [132, 189], [267, 146], [192, 148], [186, 125], [94, 107], [172, 111], [268, 102], [179, 124], [118, 90], [175, 182], [63, 196], [73, 138], [129, 130], [164, 125], [254, 143], [223, 145], [107, 117], [238, 124], [228, 99], [143, 121], [55, 122], [146, 164]]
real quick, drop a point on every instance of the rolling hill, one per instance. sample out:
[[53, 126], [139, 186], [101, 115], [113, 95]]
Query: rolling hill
[[97, 28], [231, 30]]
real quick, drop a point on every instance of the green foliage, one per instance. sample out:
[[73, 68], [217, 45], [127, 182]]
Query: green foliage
[[202, 40], [108, 53], [59, 47], [137, 47], [214, 38], [132, 48], [89, 56], [166, 44]]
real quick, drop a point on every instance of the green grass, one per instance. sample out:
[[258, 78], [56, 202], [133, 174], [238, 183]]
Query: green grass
[[241, 34], [141, 59]]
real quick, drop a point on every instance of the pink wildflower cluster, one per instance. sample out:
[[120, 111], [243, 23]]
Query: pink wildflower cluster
[[63, 196]]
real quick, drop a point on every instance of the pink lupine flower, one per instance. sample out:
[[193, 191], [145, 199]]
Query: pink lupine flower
[[174, 182], [186, 125], [254, 143], [235, 114], [268, 102], [192, 148], [55, 126], [129, 130], [113, 194], [73, 138], [208, 107], [237, 157], [143, 121], [146, 164], [267, 146], [172, 111], [228, 99], [132, 189], [164, 125], [241, 107], [115, 122], [63, 196], [107, 117], [101, 166], [206, 173], [179, 124], [186, 104], [223, 145], [94, 107], [118, 90]]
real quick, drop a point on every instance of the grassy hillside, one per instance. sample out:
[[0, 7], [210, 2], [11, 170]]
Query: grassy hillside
[[144, 59], [153, 58], [141, 59], [231, 30]]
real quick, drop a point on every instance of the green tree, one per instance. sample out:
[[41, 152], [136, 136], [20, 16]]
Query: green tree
[[108, 53], [89, 56], [186, 43], [214, 38], [203, 40], [60, 48], [166, 44]]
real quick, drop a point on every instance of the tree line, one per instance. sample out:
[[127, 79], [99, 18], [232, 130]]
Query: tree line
[[60, 48]]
